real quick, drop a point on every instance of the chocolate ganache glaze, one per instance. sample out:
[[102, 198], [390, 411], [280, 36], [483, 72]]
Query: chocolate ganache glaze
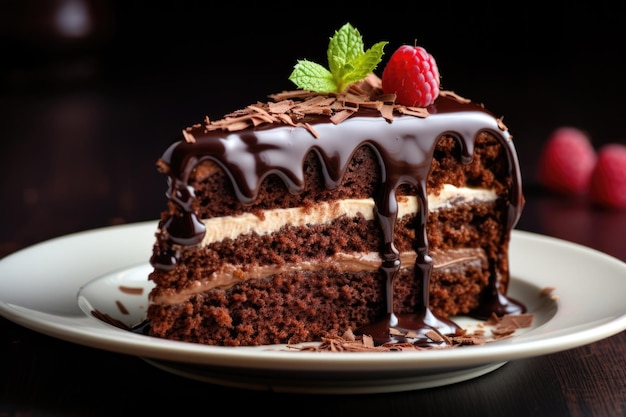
[[404, 146]]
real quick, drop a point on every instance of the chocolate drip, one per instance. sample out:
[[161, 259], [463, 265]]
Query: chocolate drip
[[494, 302], [405, 148]]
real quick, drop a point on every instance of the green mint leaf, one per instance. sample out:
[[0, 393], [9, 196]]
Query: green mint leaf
[[360, 66], [344, 46], [310, 76], [347, 60]]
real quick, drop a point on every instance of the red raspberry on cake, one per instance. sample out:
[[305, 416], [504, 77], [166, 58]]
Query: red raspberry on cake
[[412, 74], [608, 179], [566, 161]]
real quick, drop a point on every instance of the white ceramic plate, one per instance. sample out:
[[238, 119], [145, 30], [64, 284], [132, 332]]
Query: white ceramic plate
[[53, 286]]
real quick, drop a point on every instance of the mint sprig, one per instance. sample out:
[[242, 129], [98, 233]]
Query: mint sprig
[[348, 62]]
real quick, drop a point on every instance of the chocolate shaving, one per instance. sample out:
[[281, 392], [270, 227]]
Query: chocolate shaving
[[469, 340], [517, 321], [503, 327], [291, 107], [493, 320], [340, 116], [414, 111], [436, 336], [188, 137], [501, 124], [386, 111]]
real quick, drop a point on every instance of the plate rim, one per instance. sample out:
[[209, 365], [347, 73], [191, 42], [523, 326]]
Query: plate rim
[[82, 330]]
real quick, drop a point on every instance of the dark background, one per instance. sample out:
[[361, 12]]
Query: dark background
[[84, 116], [100, 94]]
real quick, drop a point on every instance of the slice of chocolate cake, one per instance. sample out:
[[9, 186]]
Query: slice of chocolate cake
[[318, 213]]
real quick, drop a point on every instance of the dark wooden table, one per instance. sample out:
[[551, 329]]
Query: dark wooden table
[[79, 155]]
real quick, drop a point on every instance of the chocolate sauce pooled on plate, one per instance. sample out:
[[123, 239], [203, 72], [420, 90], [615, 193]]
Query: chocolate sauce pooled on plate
[[404, 147]]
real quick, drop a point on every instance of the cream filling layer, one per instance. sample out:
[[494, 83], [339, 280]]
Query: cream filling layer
[[269, 221], [230, 227], [230, 274]]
